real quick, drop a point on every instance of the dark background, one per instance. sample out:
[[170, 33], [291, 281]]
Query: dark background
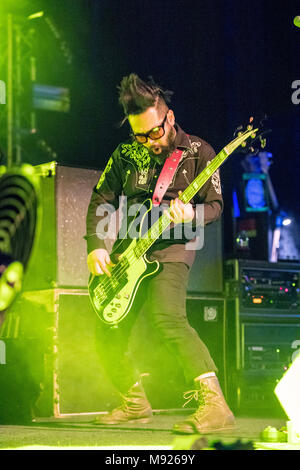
[[224, 60]]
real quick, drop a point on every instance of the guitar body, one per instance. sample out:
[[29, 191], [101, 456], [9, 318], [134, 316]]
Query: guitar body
[[113, 297]]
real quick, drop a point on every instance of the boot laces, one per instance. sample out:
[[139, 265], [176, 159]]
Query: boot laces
[[191, 395], [200, 395], [127, 404], [130, 403]]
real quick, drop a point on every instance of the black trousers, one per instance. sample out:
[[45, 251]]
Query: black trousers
[[164, 301]]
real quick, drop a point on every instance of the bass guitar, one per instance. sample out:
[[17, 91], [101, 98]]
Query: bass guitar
[[112, 296]]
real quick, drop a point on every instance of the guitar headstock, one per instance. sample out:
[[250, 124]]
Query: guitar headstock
[[258, 139]]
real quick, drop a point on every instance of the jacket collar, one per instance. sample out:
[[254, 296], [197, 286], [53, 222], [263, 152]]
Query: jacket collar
[[182, 140]]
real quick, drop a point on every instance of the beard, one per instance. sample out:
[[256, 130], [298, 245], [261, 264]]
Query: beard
[[162, 152]]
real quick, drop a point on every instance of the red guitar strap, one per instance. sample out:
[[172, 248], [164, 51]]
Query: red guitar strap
[[166, 176]]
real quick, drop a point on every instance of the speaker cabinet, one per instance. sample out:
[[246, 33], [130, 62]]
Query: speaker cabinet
[[21, 373], [68, 369], [206, 275], [207, 315], [59, 254]]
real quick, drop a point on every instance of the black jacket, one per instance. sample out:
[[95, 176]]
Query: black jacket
[[132, 172]]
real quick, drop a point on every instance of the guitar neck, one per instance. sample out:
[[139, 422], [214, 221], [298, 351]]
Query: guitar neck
[[204, 176], [155, 231]]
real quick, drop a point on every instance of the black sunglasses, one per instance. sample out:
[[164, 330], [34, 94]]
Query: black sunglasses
[[155, 133]]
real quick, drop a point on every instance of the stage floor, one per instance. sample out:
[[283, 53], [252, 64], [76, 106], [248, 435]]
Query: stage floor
[[79, 432]]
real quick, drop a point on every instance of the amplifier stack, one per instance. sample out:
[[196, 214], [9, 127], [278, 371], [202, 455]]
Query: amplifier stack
[[263, 312]]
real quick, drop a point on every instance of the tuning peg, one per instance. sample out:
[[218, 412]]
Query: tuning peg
[[236, 132], [263, 142]]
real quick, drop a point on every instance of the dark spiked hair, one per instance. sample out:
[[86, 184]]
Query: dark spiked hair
[[136, 95]]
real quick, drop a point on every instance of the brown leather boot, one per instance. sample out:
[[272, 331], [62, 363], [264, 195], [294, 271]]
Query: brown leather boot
[[135, 408], [213, 413]]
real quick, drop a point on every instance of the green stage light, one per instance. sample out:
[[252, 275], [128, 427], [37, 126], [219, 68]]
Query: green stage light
[[2, 92], [19, 187], [10, 283], [288, 390], [39, 14]]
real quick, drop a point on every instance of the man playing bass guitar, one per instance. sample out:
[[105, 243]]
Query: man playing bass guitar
[[133, 171]]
